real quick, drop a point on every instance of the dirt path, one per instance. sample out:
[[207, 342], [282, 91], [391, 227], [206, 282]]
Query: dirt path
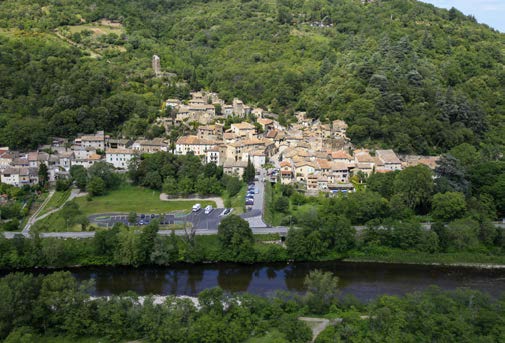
[[219, 201], [316, 324], [33, 218]]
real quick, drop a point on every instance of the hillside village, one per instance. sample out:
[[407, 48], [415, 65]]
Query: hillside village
[[318, 157]]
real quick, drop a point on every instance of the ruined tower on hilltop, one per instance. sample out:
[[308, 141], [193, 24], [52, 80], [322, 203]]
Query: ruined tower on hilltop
[[156, 65]]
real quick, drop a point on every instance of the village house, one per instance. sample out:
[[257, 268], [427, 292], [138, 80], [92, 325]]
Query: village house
[[65, 159], [234, 168], [286, 172], [364, 161], [341, 156], [266, 124], [87, 161], [414, 160], [390, 161], [339, 128], [303, 169], [238, 107], [20, 162], [325, 166], [6, 158], [119, 158], [258, 158], [210, 132], [312, 183], [96, 141], [197, 146], [322, 183], [118, 143], [243, 129], [81, 153], [150, 146], [216, 154], [340, 172], [227, 110], [257, 112], [173, 103], [20, 176]]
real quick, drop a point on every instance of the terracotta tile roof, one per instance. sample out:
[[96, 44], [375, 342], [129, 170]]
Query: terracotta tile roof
[[194, 140], [340, 155], [119, 151], [243, 126]]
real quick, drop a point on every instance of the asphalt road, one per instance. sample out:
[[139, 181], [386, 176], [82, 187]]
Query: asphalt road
[[198, 232]]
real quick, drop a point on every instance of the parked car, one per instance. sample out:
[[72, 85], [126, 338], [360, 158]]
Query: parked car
[[249, 202], [196, 207], [208, 209], [226, 211], [142, 216]]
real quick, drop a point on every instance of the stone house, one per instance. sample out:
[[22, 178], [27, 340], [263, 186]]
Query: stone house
[[234, 168], [119, 158]]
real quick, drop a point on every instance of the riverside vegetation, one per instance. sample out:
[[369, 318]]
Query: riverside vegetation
[[55, 308]]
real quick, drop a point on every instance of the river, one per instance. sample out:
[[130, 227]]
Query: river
[[365, 281]]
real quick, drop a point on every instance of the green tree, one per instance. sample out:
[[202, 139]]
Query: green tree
[[281, 204], [170, 186], [322, 291], [448, 206], [80, 176], [146, 241], [249, 172], [132, 218], [106, 172], [415, 185], [43, 175], [236, 237], [96, 186]]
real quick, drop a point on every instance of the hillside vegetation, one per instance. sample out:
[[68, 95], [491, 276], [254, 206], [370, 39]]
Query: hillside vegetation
[[402, 73]]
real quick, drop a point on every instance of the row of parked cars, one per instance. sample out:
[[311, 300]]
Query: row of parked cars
[[208, 209], [251, 190], [144, 219]]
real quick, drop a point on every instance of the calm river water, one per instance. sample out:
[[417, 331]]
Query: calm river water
[[366, 281]]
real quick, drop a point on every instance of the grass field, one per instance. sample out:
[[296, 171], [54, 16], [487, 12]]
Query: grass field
[[135, 199], [97, 29], [236, 202], [56, 201]]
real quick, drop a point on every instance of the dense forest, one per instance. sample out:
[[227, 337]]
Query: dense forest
[[55, 308], [402, 73]]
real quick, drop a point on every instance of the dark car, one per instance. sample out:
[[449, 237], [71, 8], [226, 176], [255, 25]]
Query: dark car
[[153, 215], [142, 216], [226, 211]]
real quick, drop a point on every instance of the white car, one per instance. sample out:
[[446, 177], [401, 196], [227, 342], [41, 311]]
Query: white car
[[196, 207], [208, 209]]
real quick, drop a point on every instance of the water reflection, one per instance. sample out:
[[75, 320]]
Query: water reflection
[[365, 281]]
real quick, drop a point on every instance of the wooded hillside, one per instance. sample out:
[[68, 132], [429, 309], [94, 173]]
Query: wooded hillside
[[402, 73]]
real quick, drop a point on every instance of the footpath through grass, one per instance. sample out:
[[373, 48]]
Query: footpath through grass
[[135, 199], [56, 201]]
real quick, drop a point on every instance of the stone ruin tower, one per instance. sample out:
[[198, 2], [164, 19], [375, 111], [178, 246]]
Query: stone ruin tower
[[156, 65]]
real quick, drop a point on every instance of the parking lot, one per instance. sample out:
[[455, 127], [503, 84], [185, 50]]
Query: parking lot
[[199, 219]]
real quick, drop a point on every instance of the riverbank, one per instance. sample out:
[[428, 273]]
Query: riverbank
[[391, 256], [19, 254]]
